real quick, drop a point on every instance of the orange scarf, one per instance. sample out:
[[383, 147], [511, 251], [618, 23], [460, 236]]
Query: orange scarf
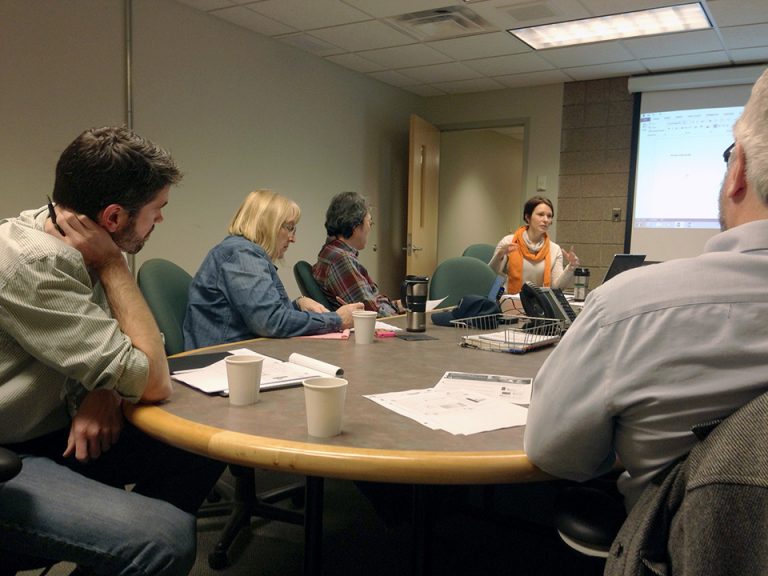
[[515, 257]]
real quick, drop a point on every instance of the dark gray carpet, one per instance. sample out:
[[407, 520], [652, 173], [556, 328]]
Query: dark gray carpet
[[501, 532]]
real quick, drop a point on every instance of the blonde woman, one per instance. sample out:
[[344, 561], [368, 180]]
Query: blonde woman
[[237, 294]]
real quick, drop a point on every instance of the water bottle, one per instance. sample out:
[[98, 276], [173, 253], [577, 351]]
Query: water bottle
[[580, 284]]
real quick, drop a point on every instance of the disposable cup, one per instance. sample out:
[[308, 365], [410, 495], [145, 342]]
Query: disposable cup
[[324, 399], [244, 378], [365, 323]]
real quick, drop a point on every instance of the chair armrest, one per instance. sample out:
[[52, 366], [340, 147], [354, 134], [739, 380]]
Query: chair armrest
[[10, 464]]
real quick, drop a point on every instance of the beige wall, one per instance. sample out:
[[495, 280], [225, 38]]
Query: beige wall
[[594, 170], [237, 110], [480, 185], [54, 84], [539, 108]]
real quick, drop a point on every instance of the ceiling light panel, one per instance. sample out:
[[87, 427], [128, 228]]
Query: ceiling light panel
[[656, 21]]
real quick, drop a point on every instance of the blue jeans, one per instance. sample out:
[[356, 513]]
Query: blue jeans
[[64, 510]]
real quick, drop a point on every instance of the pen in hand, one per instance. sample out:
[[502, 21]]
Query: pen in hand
[[52, 215]]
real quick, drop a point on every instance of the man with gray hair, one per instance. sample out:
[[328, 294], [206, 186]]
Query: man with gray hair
[[338, 271], [663, 348]]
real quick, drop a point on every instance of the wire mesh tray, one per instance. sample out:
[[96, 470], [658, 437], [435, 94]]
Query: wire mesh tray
[[508, 333]]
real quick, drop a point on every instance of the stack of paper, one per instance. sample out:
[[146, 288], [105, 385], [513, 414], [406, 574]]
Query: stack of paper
[[463, 403]]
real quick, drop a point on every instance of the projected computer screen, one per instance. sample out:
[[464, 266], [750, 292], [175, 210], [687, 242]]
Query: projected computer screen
[[679, 168]]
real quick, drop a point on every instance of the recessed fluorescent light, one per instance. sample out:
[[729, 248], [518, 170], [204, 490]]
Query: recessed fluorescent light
[[665, 20]]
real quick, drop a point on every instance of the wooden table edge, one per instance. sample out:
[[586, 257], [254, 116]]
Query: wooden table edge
[[330, 461]]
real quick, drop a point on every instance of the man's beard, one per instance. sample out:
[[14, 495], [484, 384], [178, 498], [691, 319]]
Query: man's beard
[[127, 239]]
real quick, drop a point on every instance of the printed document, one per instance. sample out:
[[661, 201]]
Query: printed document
[[463, 403]]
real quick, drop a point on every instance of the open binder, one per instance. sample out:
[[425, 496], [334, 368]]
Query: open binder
[[209, 373]]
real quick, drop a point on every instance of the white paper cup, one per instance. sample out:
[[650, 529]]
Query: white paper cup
[[324, 399], [244, 378], [365, 323]]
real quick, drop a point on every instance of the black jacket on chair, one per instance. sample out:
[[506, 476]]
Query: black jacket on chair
[[709, 514]]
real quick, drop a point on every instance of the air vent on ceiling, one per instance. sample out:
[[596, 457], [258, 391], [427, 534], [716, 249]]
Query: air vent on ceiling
[[440, 23]]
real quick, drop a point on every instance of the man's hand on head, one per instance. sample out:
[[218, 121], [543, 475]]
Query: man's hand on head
[[87, 237], [96, 426]]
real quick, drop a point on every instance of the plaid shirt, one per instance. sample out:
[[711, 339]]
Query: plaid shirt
[[339, 273]]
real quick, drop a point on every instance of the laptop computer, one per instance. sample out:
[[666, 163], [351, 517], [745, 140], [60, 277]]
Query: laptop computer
[[623, 262], [497, 288]]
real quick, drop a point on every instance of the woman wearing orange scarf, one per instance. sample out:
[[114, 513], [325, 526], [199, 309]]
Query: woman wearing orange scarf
[[529, 255]]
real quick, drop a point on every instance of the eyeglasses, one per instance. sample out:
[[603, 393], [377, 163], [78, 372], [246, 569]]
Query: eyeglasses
[[289, 227], [727, 153]]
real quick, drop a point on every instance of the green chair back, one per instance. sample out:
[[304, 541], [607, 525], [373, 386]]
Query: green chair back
[[308, 286], [457, 277], [482, 252], [165, 287]]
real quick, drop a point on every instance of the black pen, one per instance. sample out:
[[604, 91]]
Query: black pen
[[52, 215]]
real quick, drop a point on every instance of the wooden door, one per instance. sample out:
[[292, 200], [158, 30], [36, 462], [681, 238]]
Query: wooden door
[[423, 193]]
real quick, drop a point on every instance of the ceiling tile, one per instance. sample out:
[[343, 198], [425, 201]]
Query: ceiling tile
[[206, 5], [363, 36], [674, 44], [480, 46], [534, 79], [745, 36], [425, 90], [738, 12], [249, 19], [602, 53], [387, 8], [507, 14], [355, 62], [393, 78], [705, 59], [606, 70], [310, 44], [405, 56], [516, 63], [467, 86], [606, 7], [304, 15], [750, 55], [440, 73]]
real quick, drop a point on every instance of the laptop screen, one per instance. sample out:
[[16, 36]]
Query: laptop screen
[[497, 288], [623, 262]]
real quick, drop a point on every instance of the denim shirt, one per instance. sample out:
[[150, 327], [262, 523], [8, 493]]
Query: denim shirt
[[237, 295]]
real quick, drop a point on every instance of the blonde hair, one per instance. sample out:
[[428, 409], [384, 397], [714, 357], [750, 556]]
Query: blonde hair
[[260, 217]]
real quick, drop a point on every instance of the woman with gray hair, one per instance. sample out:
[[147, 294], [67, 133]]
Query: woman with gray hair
[[338, 271]]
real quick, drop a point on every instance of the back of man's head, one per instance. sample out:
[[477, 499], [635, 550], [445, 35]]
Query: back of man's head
[[751, 131], [111, 165], [346, 211]]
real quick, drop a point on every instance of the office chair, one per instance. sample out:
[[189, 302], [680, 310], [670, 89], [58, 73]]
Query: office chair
[[459, 276], [588, 519], [482, 252], [308, 286], [165, 287]]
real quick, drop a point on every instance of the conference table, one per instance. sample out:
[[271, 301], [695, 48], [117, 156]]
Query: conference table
[[376, 444]]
